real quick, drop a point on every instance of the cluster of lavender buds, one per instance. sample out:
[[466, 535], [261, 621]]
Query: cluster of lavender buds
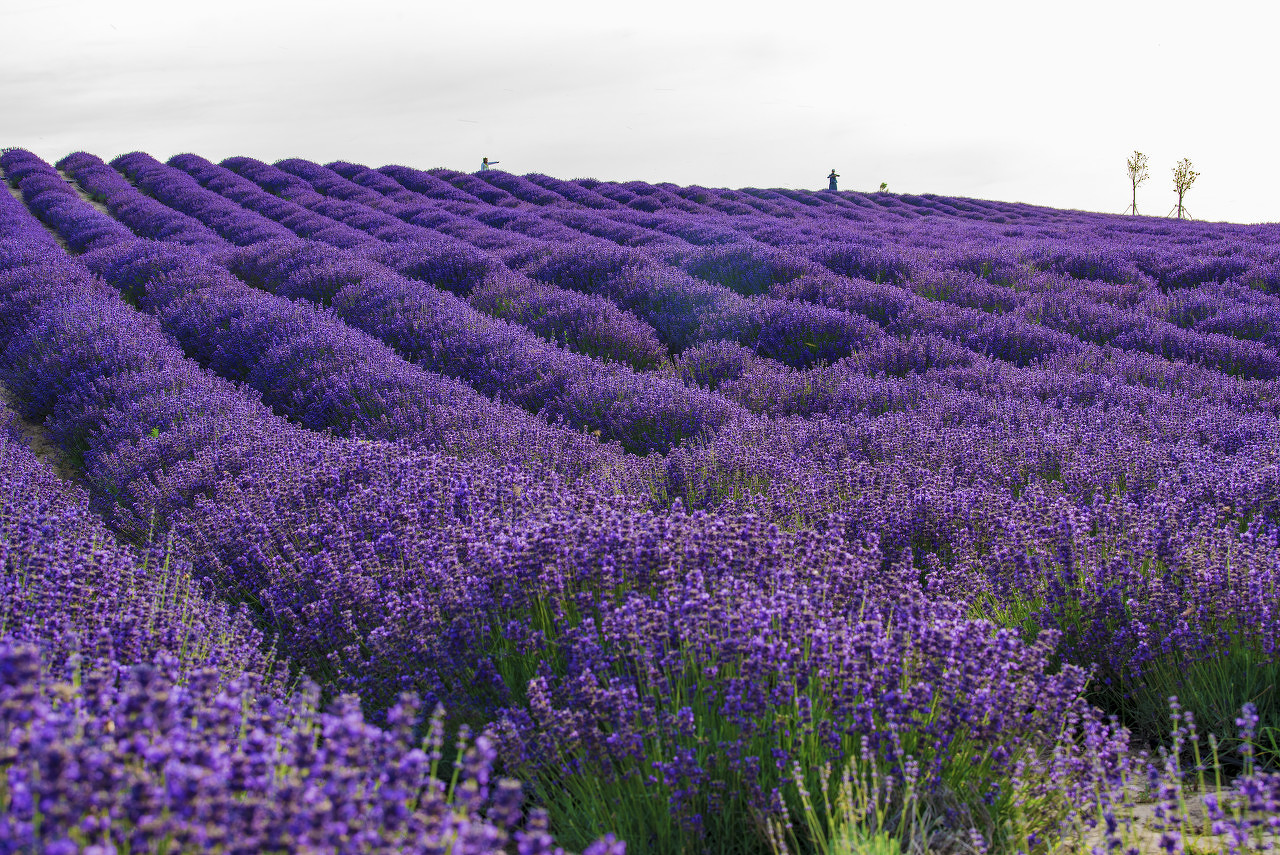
[[104, 757]]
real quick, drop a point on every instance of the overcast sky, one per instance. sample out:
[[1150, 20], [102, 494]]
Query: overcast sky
[[1016, 101]]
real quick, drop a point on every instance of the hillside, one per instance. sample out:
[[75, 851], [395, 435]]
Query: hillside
[[692, 500]]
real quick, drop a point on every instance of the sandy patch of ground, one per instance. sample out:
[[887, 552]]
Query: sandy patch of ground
[[1145, 831], [85, 196]]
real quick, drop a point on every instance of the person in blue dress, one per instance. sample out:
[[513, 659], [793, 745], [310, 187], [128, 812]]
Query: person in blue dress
[[831, 179], [485, 164]]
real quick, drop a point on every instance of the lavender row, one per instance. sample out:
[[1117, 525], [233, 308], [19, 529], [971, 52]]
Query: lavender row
[[562, 224], [59, 205], [541, 190], [643, 413], [224, 217], [594, 327], [442, 333], [685, 310], [681, 309], [146, 217], [1125, 330], [589, 325], [1058, 304], [422, 222], [360, 388], [1111, 327], [308, 176]]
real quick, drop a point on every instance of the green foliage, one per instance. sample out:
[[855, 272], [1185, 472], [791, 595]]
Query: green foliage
[[861, 808], [1213, 690]]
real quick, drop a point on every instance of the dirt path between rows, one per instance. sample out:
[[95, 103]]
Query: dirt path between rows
[[85, 196], [37, 439], [1145, 831]]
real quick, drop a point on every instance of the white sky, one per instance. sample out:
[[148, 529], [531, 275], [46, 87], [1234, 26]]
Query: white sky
[[1016, 101]]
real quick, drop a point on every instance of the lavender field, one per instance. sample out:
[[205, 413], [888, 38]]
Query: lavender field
[[351, 509]]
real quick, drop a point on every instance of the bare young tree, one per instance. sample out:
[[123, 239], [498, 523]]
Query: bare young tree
[[1183, 177], [1137, 174]]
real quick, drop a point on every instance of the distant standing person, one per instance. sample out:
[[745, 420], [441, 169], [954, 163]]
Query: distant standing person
[[485, 164], [831, 179]]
